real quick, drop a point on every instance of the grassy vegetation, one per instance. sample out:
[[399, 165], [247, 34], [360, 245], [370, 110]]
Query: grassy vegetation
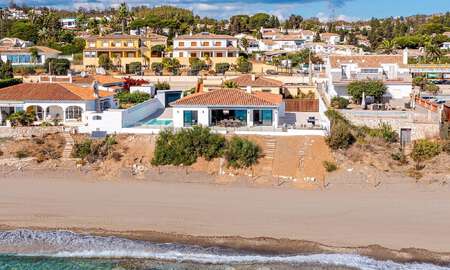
[[95, 150]]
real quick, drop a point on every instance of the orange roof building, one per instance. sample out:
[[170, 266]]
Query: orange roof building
[[53, 101], [228, 107]]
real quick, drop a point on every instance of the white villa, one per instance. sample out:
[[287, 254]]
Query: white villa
[[228, 107], [63, 102], [391, 69], [18, 52]]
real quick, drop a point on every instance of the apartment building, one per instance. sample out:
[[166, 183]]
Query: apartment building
[[19, 52], [122, 49], [211, 47], [391, 69]]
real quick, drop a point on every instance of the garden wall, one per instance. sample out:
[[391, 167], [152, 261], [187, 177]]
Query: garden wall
[[27, 132]]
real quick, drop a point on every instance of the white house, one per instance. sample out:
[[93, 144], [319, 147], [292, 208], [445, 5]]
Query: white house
[[68, 23], [391, 69], [63, 102], [224, 107], [330, 38], [19, 52]]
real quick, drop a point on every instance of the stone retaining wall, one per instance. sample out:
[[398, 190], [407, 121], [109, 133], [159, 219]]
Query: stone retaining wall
[[27, 132]]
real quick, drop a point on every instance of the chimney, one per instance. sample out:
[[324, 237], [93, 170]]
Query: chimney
[[253, 77], [405, 56], [248, 89]]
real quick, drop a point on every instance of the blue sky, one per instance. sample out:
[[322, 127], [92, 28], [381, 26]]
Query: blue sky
[[345, 9]]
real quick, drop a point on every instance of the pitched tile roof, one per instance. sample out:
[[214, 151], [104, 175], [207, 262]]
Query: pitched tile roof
[[229, 97], [247, 80], [365, 61], [49, 91]]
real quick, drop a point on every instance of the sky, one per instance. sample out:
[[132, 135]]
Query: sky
[[323, 9]]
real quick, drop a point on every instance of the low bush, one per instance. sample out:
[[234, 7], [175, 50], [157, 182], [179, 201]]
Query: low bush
[[242, 153], [132, 98], [162, 86], [446, 146], [340, 136], [9, 82], [424, 150], [384, 131], [134, 67], [330, 166], [339, 102], [157, 66], [82, 149], [221, 68], [400, 157], [94, 150], [23, 153]]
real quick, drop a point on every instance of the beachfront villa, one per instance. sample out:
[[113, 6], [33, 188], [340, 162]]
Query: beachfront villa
[[392, 70], [20, 52], [62, 102], [228, 107]]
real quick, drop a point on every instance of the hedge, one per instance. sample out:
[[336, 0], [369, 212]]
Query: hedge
[[9, 82]]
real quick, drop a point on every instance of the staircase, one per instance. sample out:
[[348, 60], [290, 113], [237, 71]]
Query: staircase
[[270, 145], [67, 152]]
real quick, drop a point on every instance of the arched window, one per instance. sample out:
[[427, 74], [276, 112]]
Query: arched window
[[74, 113]]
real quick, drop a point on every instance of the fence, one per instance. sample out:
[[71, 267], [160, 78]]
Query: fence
[[301, 105], [427, 104]]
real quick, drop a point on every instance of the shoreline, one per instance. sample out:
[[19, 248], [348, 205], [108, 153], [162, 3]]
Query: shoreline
[[399, 221], [262, 245]]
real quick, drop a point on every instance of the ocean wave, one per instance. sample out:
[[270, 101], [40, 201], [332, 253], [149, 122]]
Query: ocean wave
[[72, 245]]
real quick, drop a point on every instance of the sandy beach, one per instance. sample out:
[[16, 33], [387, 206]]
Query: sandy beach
[[396, 216]]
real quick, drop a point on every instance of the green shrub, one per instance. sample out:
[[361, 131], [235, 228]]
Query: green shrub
[[24, 70], [340, 136], [221, 68], [400, 157], [243, 65], [134, 67], [242, 153], [230, 84], [9, 82], [23, 153], [162, 86], [384, 131], [57, 66], [132, 98], [424, 150], [157, 66], [369, 87], [21, 118], [329, 166], [82, 149], [339, 102], [446, 147], [197, 64]]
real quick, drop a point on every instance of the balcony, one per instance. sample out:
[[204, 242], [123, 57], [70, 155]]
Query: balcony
[[355, 76]]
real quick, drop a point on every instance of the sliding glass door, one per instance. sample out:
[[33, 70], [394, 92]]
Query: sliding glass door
[[190, 118]]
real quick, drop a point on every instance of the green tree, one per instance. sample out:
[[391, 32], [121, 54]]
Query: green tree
[[123, 15], [387, 46], [432, 52], [432, 88], [22, 118], [230, 84], [243, 65], [221, 68], [6, 70], [420, 82], [242, 153], [34, 53], [244, 43], [424, 150], [293, 22], [104, 61], [373, 88]]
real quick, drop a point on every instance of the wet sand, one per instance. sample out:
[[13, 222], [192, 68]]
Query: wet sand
[[398, 216]]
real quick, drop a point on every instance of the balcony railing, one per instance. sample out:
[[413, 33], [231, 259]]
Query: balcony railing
[[354, 76]]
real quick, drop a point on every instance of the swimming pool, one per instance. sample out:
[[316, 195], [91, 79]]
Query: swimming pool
[[158, 122]]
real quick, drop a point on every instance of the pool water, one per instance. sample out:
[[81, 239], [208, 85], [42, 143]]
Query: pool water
[[158, 122]]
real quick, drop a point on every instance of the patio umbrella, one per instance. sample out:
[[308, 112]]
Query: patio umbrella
[[363, 100]]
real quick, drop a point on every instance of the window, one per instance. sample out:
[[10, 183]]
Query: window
[[190, 118], [73, 113], [369, 70], [180, 54], [18, 59], [262, 117], [181, 44], [130, 54], [91, 44], [96, 117], [105, 44], [219, 54], [218, 43], [205, 43], [193, 54], [194, 44]]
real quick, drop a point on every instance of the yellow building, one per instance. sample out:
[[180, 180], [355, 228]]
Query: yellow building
[[123, 49]]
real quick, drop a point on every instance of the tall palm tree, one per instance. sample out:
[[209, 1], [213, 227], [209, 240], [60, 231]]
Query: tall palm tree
[[387, 46], [432, 52], [122, 15]]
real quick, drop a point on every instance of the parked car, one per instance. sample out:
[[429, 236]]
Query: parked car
[[271, 72]]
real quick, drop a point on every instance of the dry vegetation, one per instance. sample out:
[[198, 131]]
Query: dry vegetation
[[50, 146]]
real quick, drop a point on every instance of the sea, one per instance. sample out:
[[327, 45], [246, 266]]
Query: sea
[[66, 250]]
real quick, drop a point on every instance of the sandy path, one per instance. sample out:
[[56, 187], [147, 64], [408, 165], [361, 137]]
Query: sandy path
[[398, 217]]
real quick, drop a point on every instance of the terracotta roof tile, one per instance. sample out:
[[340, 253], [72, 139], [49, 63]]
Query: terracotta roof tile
[[246, 80], [48, 91], [229, 97], [205, 36]]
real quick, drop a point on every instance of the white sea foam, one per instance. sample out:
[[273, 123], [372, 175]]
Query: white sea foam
[[69, 244]]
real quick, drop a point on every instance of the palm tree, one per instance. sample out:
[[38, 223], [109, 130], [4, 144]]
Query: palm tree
[[387, 46], [432, 52], [123, 15], [230, 84], [34, 55]]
